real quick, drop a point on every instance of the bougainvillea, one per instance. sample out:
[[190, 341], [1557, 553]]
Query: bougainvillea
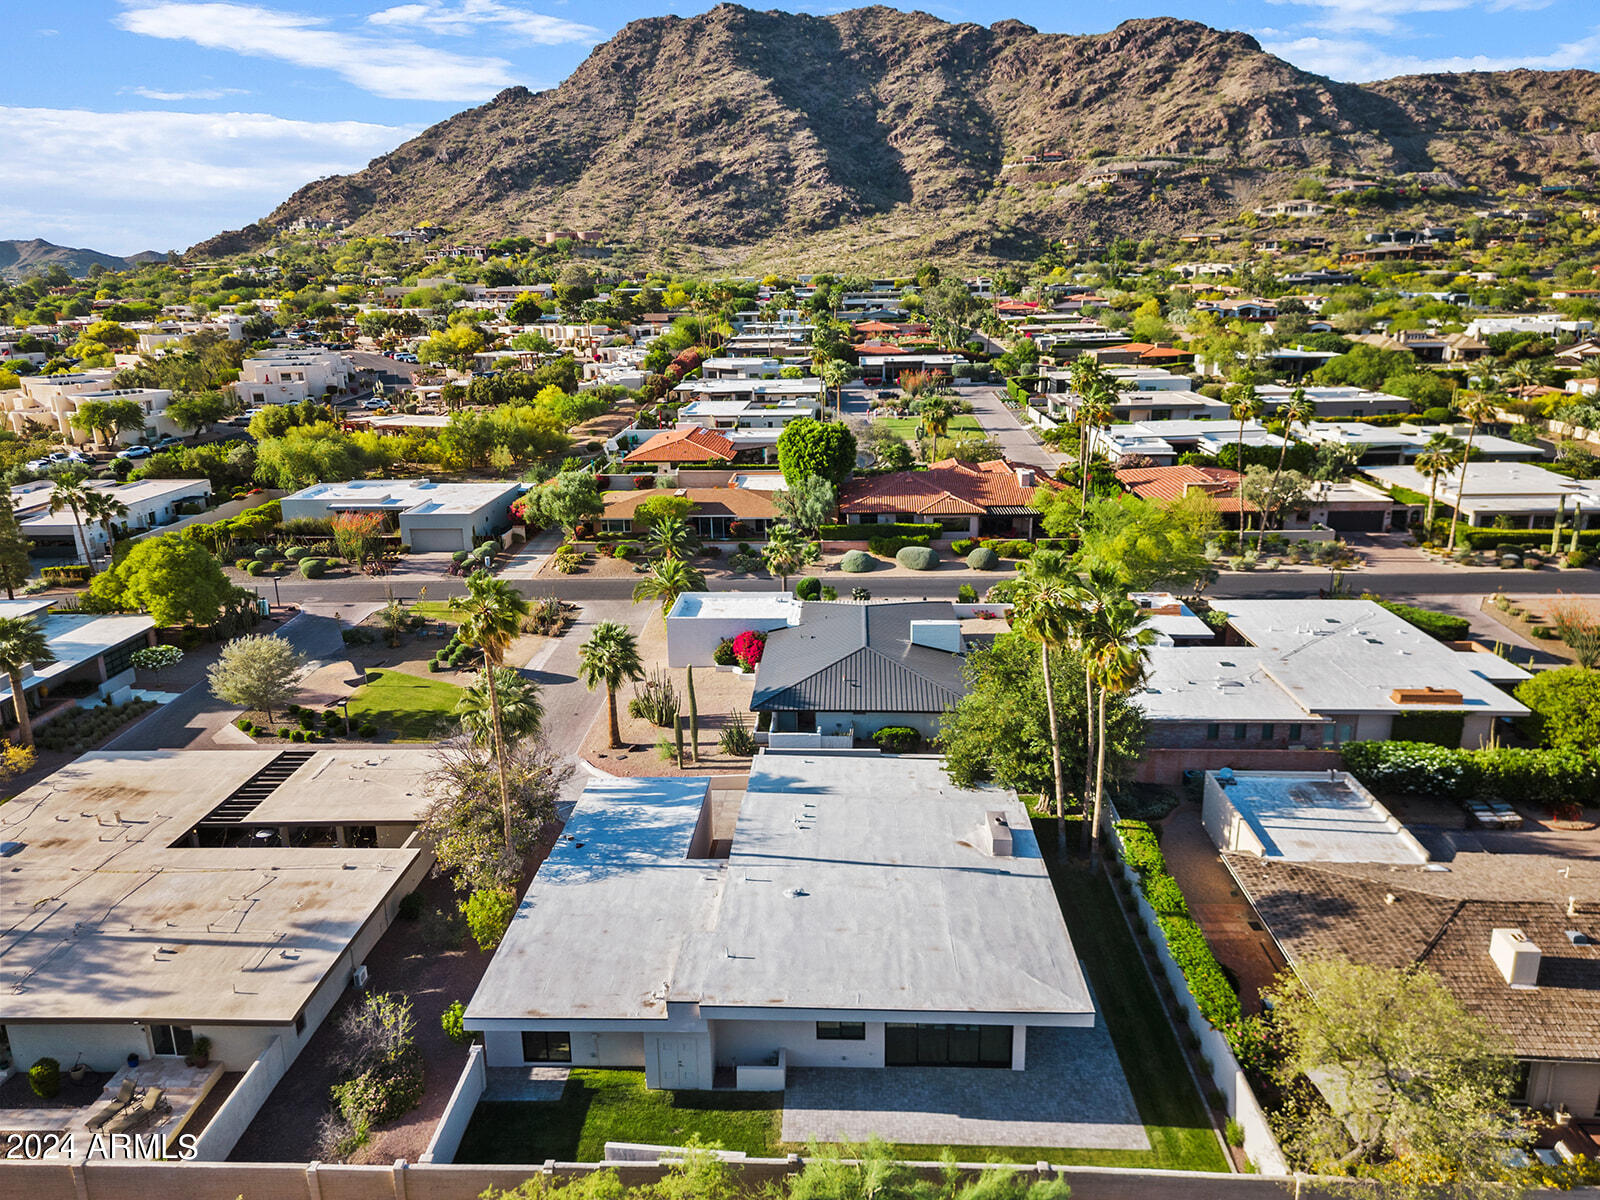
[[748, 648]]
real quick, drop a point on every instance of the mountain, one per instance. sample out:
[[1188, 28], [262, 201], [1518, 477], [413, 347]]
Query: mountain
[[19, 258], [741, 136]]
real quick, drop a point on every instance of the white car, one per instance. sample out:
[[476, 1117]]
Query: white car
[[135, 452]]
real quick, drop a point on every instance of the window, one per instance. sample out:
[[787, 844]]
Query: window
[[1294, 733], [1519, 1083], [1266, 733], [1240, 732], [841, 1031], [1213, 732], [171, 1040], [547, 1045], [947, 1045]]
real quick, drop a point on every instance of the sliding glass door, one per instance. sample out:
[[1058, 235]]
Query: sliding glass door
[[906, 1045]]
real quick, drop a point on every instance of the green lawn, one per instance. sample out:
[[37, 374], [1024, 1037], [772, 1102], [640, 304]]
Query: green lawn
[[407, 708], [601, 1106], [906, 427], [435, 610]]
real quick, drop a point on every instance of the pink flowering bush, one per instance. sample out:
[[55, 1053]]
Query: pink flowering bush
[[748, 648]]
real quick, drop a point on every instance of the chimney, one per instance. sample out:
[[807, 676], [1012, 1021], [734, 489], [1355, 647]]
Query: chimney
[[995, 836], [1025, 477], [1517, 958]]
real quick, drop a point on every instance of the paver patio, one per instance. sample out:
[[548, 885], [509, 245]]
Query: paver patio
[[1073, 1095]]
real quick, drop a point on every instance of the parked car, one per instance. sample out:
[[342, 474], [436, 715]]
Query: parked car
[[135, 452], [886, 394], [168, 442]]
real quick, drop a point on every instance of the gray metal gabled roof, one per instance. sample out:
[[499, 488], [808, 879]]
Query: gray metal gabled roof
[[846, 657]]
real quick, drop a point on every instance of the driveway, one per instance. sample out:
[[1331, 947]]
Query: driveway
[[1073, 1095], [1006, 429]]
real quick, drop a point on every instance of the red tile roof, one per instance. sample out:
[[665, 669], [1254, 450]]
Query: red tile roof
[[946, 489], [1163, 485], [708, 502], [684, 446]]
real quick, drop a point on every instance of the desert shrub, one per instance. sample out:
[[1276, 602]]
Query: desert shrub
[[983, 559], [963, 546], [856, 561], [44, 1077], [379, 1061], [451, 1020], [897, 739], [257, 567], [888, 547], [860, 593], [966, 594], [917, 558], [295, 553], [313, 568], [744, 561], [736, 738], [723, 655], [1565, 706], [488, 912], [655, 700]]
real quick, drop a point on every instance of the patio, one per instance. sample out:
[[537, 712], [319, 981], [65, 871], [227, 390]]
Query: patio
[[1073, 1095], [182, 1089]]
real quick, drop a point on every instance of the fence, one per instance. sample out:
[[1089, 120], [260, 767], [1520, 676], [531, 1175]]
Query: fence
[[228, 1123], [1229, 1078], [452, 1126]]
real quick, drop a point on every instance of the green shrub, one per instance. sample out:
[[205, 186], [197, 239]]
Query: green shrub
[[488, 912], [917, 558], [897, 739], [809, 587], [888, 547], [723, 655], [966, 594], [44, 1077], [856, 561], [454, 1027], [313, 568], [963, 546], [983, 559], [1581, 557], [1549, 778], [242, 564], [1015, 548], [1565, 707], [295, 553], [1447, 627], [68, 573], [1441, 728], [367, 729], [1409, 768], [851, 533], [256, 568]]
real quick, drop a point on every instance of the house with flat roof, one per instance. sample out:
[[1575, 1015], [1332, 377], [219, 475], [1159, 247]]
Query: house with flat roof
[[92, 652], [429, 516], [155, 897], [747, 403], [1334, 403], [698, 622], [290, 375], [1396, 444], [1298, 675], [645, 942], [1523, 495], [1303, 816], [151, 504], [1165, 440]]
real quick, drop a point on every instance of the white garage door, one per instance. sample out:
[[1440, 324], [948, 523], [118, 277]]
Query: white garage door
[[432, 540]]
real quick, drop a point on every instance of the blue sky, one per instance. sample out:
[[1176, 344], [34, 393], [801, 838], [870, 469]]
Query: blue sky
[[150, 124]]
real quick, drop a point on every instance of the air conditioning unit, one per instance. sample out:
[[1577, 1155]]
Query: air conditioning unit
[[359, 977]]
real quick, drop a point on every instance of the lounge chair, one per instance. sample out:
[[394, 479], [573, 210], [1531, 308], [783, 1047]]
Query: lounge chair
[[150, 1102], [113, 1106]]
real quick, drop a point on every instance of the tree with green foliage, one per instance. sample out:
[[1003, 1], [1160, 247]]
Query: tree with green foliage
[[23, 644], [671, 537], [1115, 640], [1148, 545], [488, 912], [807, 505], [669, 578], [521, 707], [785, 553], [198, 411], [1415, 1090], [453, 346], [464, 825], [1565, 705], [568, 500], [807, 447], [105, 419], [258, 672], [1439, 456], [173, 579], [1478, 410], [1043, 610], [491, 615], [308, 454], [657, 509], [72, 493], [14, 565], [609, 659], [1245, 406], [1000, 730], [275, 420]]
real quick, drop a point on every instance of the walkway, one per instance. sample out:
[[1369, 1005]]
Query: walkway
[[1073, 1095], [1005, 428]]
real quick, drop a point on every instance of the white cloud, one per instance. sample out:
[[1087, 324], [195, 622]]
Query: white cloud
[[1388, 16], [383, 65], [162, 179], [198, 94], [1358, 61], [465, 17]]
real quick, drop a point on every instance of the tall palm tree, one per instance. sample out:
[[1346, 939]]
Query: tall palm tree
[[1478, 410], [491, 617], [105, 511], [1119, 638], [669, 578], [72, 493], [1094, 592], [22, 645], [835, 373], [785, 552], [1439, 456], [1299, 409], [610, 658], [1043, 610], [521, 708], [671, 537], [1094, 412], [1245, 406]]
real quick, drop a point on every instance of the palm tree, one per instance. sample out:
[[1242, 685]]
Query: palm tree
[[105, 511], [1093, 593], [1297, 410], [72, 493], [521, 708], [785, 552], [669, 578], [22, 645], [491, 617], [1094, 412], [835, 373], [671, 537], [1439, 456], [1043, 610], [1119, 638], [1245, 406], [610, 658], [1479, 410]]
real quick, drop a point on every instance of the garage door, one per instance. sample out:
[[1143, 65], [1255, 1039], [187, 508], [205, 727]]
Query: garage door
[[1356, 522], [432, 540]]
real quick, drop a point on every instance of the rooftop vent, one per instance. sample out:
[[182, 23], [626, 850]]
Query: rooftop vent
[[1579, 938], [995, 836], [1517, 958], [1425, 695]]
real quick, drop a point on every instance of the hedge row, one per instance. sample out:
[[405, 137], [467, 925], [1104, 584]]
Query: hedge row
[[1551, 778], [1216, 999], [1488, 539], [1447, 627], [860, 533]]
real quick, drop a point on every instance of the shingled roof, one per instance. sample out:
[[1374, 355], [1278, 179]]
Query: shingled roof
[[1394, 917], [846, 657]]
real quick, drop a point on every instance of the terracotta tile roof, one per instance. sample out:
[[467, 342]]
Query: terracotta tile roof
[[948, 488], [1163, 485], [684, 445], [877, 327], [745, 503], [878, 348], [1444, 920]]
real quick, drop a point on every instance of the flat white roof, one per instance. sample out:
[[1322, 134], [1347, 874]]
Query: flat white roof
[[1492, 485], [855, 884], [1305, 816], [735, 605], [1215, 683], [406, 495]]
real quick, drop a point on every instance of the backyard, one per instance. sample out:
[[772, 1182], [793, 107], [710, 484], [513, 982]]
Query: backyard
[[601, 1106], [410, 708]]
